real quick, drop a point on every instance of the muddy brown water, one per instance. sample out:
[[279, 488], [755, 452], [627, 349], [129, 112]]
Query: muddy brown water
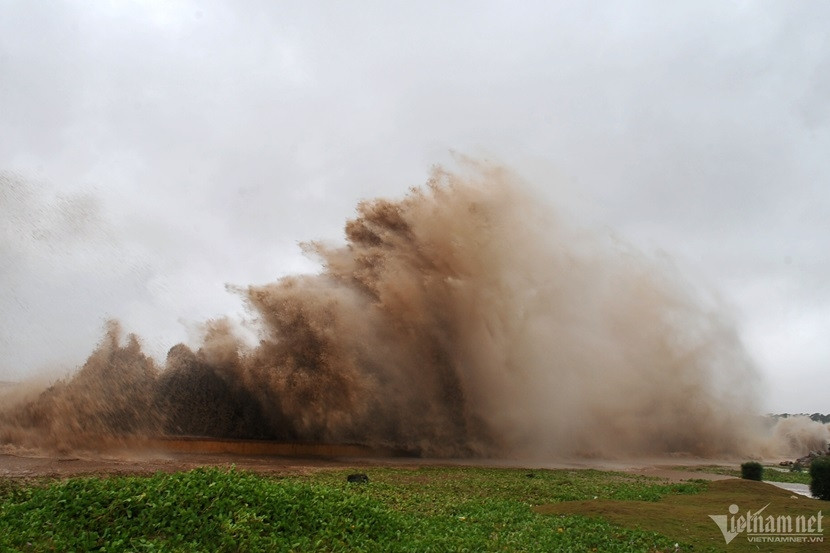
[[171, 455]]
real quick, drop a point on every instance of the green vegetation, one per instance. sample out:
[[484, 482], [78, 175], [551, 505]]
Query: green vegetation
[[686, 517], [440, 509], [10, 488], [752, 470], [820, 478], [772, 474], [197, 511], [400, 509]]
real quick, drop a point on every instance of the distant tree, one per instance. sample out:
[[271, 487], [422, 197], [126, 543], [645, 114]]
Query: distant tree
[[817, 417]]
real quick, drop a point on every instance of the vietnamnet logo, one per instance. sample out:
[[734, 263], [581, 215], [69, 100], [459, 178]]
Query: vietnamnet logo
[[763, 527]]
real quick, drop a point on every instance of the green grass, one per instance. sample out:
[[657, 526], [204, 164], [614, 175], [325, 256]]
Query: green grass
[[775, 475], [427, 509], [400, 509], [686, 517]]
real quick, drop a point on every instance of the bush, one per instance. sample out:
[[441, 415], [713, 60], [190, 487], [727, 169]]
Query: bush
[[820, 478], [752, 470]]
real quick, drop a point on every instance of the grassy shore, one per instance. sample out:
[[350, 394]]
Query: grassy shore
[[400, 509]]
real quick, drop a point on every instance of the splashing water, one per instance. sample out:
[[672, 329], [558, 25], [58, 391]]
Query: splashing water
[[466, 319]]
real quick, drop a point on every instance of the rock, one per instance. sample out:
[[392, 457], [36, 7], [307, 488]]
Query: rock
[[358, 478]]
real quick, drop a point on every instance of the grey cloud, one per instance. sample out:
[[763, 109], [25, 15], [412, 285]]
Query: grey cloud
[[215, 135]]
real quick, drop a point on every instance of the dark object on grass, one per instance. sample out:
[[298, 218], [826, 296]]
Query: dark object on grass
[[358, 478], [530, 475], [820, 478], [752, 470]]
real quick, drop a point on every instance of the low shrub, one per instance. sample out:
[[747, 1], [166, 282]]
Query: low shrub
[[820, 477], [752, 470]]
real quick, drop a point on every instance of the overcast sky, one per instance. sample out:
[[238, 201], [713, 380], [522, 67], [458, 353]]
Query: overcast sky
[[152, 151]]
